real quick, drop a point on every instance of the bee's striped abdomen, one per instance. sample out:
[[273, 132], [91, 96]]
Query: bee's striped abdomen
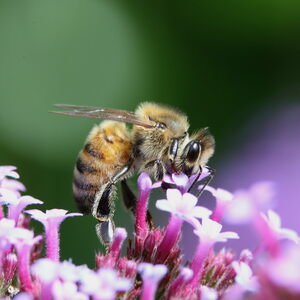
[[108, 149]]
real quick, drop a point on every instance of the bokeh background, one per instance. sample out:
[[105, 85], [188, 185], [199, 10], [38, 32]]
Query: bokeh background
[[231, 65]]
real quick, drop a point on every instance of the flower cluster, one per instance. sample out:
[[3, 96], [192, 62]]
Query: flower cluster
[[153, 267]]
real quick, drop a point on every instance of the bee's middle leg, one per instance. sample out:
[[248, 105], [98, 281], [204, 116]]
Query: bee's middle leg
[[103, 208], [130, 200]]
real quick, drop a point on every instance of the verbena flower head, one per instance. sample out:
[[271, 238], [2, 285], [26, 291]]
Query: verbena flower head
[[154, 265]]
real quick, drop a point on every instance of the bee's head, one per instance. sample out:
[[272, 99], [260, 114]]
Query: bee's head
[[189, 155]]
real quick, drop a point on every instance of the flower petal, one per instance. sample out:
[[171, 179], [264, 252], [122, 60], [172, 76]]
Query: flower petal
[[164, 205]]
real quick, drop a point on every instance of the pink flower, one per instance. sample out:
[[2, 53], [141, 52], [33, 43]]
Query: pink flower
[[103, 284], [8, 171], [46, 270], [244, 276], [13, 186], [23, 296], [51, 221], [184, 276], [7, 227], [246, 204], [208, 293], [223, 199], [67, 291], [16, 204], [283, 270], [210, 232], [9, 268], [145, 186], [151, 275], [24, 240], [274, 222], [182, 206]]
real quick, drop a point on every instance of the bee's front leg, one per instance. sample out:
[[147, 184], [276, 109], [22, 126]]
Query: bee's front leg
[[157, 169], [103, 207]]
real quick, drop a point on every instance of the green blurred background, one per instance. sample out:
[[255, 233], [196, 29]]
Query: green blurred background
[[220, 62]]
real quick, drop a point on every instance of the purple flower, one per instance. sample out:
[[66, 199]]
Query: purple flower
[[51, 221], [182, 181], [151, 275]]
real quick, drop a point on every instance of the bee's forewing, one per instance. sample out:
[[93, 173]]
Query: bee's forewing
[[102, 113]]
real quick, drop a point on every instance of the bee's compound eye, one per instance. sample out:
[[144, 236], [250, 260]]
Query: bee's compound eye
[[193, 151]]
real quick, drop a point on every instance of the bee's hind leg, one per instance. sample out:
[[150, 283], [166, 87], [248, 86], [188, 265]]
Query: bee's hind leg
[[103, 207], [129, 200]]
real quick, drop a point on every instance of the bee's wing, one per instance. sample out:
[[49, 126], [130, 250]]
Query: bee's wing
[[102, 113]]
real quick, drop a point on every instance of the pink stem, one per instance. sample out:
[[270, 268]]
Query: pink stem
[[201, 253], [171, 235], [141, 226], [1, 212], [268, 238], [149, 290], [46, 292], [23, 268], [115, 247], [52, 240]]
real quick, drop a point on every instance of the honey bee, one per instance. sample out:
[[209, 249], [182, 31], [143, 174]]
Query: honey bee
[[158, 143]]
